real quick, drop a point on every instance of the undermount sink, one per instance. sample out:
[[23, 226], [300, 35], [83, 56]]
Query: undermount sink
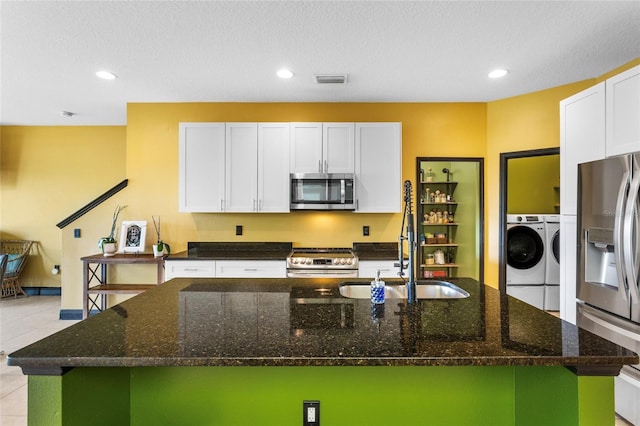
[[425, 289]]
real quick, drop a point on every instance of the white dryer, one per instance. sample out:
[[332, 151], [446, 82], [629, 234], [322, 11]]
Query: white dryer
[[552, 259], [526, 258]]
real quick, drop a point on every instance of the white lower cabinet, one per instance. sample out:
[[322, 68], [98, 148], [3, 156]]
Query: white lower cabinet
[[568, 267], [225, 269], [368, 268], [189, 269], [251, 269]]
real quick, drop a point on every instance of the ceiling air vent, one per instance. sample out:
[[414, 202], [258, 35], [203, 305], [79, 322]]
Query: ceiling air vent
[[330, 78]]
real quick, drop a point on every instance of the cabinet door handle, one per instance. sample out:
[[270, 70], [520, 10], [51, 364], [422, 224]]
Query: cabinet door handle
[[319, 166], [326, 167], [251, 269]]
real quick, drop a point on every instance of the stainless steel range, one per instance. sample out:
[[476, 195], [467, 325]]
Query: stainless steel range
[[322, 263]]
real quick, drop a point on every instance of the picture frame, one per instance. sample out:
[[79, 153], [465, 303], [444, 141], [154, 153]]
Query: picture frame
[[132, 236]]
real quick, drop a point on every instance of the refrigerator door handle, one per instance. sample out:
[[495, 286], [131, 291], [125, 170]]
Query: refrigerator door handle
[[629, 251], [602, 322], [618, 236]]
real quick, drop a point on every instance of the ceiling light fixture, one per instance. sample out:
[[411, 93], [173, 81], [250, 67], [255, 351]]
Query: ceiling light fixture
[[106, 75], [284, 73], [498, 73], [67, 113]]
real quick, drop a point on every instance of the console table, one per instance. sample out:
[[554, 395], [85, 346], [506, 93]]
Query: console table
[[94, 276]]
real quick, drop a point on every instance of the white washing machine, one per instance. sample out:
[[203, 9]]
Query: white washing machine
[[552, 259], [526, 263]]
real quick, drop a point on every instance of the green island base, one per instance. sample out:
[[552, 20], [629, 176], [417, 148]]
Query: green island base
[[349, 396]]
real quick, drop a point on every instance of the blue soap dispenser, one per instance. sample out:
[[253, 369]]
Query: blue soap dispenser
[[377, 290]]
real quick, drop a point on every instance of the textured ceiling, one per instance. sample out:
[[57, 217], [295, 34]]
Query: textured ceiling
[[207, 51]]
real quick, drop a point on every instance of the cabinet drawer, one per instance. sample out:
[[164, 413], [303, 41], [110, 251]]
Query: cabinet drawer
[[251, 269], [189, 269], [368, 268]]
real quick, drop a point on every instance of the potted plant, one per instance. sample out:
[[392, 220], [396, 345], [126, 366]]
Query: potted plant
[[108, 244], [160, 246]]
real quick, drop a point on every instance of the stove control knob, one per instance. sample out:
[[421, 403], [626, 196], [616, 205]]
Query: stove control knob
[[335, 261], [347, 261], [307, 261]]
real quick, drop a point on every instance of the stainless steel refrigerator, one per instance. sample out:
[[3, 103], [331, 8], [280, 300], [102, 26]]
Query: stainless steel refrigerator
[[609, 263]]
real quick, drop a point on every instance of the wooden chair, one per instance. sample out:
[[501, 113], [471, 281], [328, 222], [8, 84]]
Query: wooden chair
[[17, 252], [3, 265]]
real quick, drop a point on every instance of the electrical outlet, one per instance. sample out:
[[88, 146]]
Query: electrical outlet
[[365, 230], [238, 229], [310, 413]]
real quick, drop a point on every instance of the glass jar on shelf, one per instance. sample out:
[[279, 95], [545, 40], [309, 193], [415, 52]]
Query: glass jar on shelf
[[429, 175]]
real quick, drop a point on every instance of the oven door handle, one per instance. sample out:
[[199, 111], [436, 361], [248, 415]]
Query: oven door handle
[[346, 273]]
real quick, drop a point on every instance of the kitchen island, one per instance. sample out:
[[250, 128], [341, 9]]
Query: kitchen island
[[249, 351]]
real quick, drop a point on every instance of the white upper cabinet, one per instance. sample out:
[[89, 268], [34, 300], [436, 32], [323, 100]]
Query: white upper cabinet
[[306, 148], [201, 167], [338, 147], [623, 113], [273, 167], [582, 135], [378, 167], [241, 178], [234, 167], [244, 167], [322, 148]]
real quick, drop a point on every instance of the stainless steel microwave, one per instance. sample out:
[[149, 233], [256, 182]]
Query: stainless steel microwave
[[322, 191]]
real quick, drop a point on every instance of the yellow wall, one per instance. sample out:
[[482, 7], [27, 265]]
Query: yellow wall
[[47, 173], [50, 172], [534, 185], [520, 123], [152, 170], [428, 130]]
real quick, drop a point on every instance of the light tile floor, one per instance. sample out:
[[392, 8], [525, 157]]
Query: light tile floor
[[23, 321]]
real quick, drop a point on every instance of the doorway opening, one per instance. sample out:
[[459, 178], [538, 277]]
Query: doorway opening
[[529, 184]]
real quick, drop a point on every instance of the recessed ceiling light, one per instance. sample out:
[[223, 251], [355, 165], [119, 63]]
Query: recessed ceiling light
[[284, 73], [498, 73], [106, 75]]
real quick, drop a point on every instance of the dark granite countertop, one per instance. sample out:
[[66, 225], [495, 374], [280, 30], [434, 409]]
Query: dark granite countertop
[[272, 251], [305, 322], [376, 251], [234, 251]]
